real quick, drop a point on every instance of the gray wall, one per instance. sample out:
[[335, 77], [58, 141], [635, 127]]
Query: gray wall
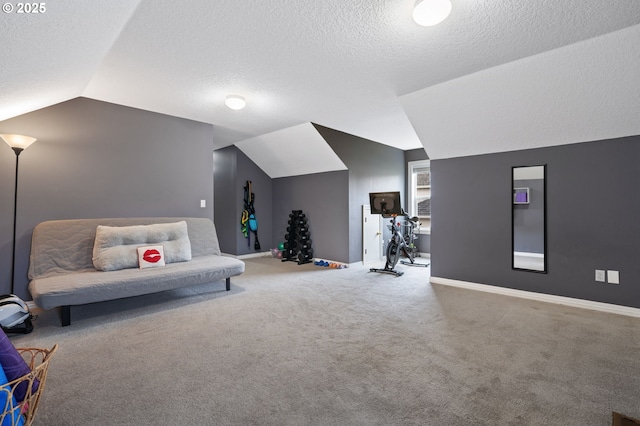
[[94, 159], [592, 211], [332, 201], [232, 169], [373, 167], [225, 209], [323, 197], [415, 154]]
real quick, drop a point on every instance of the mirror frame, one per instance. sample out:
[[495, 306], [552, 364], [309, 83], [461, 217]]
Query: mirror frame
[[544, 221]]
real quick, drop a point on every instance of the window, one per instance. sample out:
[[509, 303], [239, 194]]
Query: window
[[420, 193]]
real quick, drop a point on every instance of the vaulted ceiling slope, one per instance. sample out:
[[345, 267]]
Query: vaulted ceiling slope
[[294, 151], [582, 92], [342, 64]]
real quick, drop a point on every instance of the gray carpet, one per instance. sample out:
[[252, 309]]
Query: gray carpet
[[304, 345]]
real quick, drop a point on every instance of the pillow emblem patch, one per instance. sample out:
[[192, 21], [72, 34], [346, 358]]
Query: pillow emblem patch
[[150, 256]]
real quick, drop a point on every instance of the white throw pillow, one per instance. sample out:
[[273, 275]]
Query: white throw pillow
[[150, 256], [115, 246]]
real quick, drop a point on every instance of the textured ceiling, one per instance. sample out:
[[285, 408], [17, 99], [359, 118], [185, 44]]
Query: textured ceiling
[[582, 92], [342, 64]]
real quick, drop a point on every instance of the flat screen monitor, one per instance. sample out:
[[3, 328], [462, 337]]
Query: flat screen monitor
[[385, 203]]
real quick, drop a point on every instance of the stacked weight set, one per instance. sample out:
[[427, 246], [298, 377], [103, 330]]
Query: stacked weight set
[[297, 244]]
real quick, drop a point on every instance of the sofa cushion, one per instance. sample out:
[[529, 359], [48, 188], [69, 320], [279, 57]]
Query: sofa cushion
[[92, 286], [115, 247]]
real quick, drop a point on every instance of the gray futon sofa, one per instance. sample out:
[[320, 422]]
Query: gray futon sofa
[[64, 255]]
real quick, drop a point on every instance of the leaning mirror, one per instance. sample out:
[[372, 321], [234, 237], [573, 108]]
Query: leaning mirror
[[528, 218]]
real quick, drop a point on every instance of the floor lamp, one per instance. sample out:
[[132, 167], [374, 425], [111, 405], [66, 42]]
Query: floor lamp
[[18, 143]]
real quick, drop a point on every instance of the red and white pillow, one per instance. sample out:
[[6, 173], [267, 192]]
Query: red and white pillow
[[150, 256]]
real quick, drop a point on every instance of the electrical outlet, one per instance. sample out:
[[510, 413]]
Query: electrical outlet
[[203, 203], [600, 276], [613, 276]]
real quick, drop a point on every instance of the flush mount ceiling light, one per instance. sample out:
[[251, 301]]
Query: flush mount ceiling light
[[235, 102], [431, 12]]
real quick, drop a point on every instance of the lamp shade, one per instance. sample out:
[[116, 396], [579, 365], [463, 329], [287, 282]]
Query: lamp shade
[[235, 102], [18, 141], [431, 12]]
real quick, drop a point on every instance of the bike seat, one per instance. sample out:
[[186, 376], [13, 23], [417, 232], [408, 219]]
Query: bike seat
[[414, 219]]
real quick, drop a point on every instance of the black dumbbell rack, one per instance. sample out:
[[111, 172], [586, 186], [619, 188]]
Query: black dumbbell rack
[[297, 241]]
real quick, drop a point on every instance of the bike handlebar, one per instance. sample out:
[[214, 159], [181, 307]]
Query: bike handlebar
[[414, 219]]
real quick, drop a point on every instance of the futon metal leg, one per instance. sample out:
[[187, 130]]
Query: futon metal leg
[[65, 315], [228, 281]]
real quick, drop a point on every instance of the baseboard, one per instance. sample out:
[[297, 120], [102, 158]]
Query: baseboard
[[250, 255], [549, 298]]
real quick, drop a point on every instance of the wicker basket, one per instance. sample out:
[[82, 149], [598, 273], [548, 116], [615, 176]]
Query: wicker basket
[[38, 361]]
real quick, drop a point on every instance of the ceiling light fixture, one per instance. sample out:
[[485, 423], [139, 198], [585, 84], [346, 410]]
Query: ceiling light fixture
[[235, 102], [431, 12]]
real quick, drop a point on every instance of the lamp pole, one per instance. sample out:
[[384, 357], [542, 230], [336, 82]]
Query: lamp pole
[[18, 143], [17, 150]]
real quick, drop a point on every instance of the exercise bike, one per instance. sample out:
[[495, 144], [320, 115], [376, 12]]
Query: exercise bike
[[401, 244]]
